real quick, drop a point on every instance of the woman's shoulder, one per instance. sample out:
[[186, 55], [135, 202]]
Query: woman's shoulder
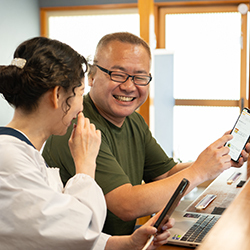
[[17, 155]]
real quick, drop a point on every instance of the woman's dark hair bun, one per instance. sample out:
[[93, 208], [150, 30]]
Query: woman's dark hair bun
[[48, 63]]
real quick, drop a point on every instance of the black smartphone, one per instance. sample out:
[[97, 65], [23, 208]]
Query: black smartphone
[[241, 134], [172, 204]]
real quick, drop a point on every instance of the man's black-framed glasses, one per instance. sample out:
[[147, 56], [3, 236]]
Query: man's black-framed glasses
[[117, 76]]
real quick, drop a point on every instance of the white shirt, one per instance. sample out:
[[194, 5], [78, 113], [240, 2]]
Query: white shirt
[[37, 213]]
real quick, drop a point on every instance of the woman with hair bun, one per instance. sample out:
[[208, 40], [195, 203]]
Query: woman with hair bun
[[45, 85]]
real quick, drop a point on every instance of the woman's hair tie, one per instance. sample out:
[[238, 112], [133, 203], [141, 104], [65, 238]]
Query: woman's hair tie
[[18, 62]]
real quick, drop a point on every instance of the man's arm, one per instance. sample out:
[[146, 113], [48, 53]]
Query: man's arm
[[130, 202], [177, 168]]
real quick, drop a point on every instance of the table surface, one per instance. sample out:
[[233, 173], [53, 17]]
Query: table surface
[[230, 197], [233, 229]]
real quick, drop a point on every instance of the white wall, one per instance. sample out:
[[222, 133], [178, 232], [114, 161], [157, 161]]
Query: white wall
[[163, 99], [19, 21]]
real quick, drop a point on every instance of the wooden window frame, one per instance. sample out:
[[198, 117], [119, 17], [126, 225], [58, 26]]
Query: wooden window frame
[[206, 7], [44, 11], [145, 10]]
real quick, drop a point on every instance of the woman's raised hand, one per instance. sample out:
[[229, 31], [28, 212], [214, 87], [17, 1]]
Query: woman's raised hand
[[84, 145]]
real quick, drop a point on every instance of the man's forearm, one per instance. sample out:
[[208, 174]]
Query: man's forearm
[[178, 167]]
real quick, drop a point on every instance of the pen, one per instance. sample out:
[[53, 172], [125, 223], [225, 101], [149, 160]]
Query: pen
[[148, 242]]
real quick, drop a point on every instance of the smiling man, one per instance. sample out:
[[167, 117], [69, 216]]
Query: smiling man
[[121, 77], [119, 80]]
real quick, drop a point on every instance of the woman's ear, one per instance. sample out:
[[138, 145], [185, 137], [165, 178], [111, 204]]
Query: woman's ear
[[55, 96]]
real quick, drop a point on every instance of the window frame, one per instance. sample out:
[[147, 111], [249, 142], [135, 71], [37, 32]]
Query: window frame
[[45, 12], [182, 8], [147, 26]]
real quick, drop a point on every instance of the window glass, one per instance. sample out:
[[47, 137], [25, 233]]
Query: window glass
[[195, 128], [206, 51], [83, 29]]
